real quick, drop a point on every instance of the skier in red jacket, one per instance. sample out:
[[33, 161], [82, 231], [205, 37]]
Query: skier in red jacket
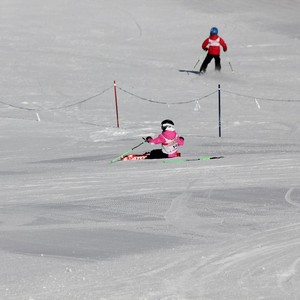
[[213, 46]]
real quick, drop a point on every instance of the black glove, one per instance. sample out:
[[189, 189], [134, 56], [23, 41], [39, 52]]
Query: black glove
[[181, 137], [148, 138], [205, 49]]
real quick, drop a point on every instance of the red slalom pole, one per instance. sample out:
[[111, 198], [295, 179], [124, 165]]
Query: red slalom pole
[[116, 102]]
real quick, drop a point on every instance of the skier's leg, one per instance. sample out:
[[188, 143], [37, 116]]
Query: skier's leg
[[205, 63], [217, 63], [157, 153]]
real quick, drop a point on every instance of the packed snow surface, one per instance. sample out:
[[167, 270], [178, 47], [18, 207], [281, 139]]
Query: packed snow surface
[[74, 226]]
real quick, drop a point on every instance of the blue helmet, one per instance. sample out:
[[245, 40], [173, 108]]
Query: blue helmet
[[214, 30]]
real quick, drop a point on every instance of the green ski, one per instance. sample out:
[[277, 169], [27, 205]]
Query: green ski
[[179, 160]]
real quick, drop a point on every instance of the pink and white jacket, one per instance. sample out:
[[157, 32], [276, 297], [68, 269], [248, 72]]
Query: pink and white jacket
[[170, 141]]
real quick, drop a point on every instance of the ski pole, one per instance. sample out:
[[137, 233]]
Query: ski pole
[[196, 63], [229, 63], [125, 153]]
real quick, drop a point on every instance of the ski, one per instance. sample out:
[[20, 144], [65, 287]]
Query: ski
[[134, 156], [190, 71], [179, 160], [118, 158], [140, 156]]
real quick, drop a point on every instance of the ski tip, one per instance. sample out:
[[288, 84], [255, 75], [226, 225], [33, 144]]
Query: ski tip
[[114, 160], [189, 71], [178, 160]]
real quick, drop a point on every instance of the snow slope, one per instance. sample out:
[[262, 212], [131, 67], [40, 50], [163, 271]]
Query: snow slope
[[75, 226]]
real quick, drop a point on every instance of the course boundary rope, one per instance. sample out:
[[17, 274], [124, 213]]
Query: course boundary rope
[[147, 99], [164, 102], [260, 98]]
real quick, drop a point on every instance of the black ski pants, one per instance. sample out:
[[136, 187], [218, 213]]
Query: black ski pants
[[156, 154], [208, 59]]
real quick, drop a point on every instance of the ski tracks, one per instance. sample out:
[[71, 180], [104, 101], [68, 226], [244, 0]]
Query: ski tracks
[[179, 215], [289, 276], [290, 200], [264, 264]]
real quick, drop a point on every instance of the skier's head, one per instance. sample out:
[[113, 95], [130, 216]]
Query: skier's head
[[214, 30], [167, 125]]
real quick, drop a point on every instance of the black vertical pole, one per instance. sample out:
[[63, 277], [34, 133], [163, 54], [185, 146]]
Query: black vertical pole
[[219, 96], [116, 102]]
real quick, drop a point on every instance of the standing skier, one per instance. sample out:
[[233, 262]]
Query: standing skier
[[213, 46], [169, 139]]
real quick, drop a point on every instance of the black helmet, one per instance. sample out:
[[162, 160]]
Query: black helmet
[[167, 125]]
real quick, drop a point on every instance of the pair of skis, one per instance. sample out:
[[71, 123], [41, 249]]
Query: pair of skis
[[126, 156], [198, 72]]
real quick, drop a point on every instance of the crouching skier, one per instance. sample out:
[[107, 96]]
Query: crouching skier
[[169, 139]]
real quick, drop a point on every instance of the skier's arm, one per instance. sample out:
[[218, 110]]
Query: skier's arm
[[158, 140], [205, 44], [180, 141], [223, 44]]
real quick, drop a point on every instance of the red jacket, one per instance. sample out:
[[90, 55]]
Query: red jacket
[[213, 45]]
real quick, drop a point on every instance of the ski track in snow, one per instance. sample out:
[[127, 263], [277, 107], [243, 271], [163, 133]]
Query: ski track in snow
[[289, 199], [270, 253], [237, 270], [179, 214]]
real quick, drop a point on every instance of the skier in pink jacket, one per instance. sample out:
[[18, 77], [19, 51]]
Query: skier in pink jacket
[[213, 46], [169, 139]]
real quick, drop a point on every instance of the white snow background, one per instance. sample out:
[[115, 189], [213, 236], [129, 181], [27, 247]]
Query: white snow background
[[74, 226]]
